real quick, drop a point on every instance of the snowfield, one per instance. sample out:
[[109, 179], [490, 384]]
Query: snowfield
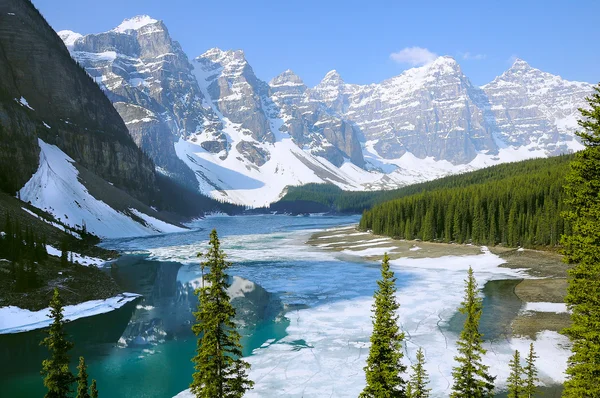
[[15, 320], [56, 189]]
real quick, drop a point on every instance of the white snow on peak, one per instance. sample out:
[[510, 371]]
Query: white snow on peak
[[520, 64], [332, 76], [69, 37], [134, 23]]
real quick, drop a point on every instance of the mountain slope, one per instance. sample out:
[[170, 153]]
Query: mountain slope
[[54, 119]]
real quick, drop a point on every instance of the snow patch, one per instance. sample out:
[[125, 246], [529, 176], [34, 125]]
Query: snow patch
[[56, 189], [14, 319]]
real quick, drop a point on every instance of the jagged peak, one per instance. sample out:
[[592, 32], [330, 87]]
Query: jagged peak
[[216, 54], [444, 63], [135, 23], [285, 78], [520, 64], [332, 78], [69, 37]]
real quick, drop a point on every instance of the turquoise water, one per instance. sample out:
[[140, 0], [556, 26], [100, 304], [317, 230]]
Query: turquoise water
[[162, 367]]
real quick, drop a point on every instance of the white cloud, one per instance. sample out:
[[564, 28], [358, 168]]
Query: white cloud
[[471, 56], [511, 60], [414, 56]]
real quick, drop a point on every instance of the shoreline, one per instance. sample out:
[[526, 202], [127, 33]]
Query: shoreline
[[18, 320]]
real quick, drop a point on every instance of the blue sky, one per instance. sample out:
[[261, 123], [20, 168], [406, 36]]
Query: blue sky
[[359, 38]]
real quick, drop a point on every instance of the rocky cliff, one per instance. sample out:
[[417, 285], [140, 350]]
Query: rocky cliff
[[46, 94]]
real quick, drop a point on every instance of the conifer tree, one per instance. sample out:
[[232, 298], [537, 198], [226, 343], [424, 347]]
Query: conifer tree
[[531, 372], [417, 386], [384, 370], [58, 377], [471, 377], [82, 379], [220, 371], [515, 379], [582, 248], [93, 389]]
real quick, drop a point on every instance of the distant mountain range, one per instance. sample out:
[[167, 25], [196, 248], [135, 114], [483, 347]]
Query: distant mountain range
[[213, 126]]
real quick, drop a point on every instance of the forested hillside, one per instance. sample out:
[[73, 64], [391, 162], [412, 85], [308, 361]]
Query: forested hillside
[[515, 204]]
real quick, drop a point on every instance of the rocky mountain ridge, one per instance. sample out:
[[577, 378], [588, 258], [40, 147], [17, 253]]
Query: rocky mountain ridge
[[213, 124]]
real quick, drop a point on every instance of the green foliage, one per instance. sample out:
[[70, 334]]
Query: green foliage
[[93, 390], [220, 371], [58, 377], [515, 379], [471, 377], [82, 379], [384, 368], [582, 248], [417, 386], [529, 389], [25, 249], [520, 209]]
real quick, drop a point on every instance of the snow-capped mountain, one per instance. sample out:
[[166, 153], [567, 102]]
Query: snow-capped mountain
[[213, 124], [535, 108]]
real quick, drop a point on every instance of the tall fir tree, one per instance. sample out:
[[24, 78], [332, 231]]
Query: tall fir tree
[[419, 380], [515, 379], [93, 390], [82, 379], [471, 376], [529, 387], [220, 371], [582, 248], [384, 370], [58, 378]]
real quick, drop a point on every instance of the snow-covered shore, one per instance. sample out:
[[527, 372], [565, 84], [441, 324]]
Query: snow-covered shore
[[14, 319]]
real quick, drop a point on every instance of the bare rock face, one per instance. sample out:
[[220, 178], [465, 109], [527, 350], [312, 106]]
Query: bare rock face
[[148, 77], [253, 153], [236, 92], [45, 94], [312, 125], [429, 111], [536, 108]]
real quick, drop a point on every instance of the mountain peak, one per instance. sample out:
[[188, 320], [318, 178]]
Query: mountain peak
[[69, 37], [520, 64], [135, 23], [445, 63], [286, 78], [332, 78], [216, 54]]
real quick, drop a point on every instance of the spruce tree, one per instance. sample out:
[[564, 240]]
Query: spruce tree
[[58, 377], [515, 379], [93, 390], [384, 370], [529, 388], [220, 371], [582, 248], [471, 377], [82, 379], [417, 386]]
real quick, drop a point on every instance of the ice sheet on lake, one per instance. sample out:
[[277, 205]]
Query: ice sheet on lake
[[14, 319]]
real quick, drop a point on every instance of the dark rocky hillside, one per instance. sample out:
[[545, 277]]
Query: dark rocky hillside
[[64, 107]]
